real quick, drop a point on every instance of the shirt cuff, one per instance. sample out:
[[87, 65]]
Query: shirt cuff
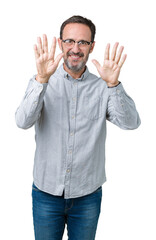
[[116, 90], [115, 86], [42, 86]]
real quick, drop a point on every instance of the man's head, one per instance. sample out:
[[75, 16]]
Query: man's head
[[81, 20], [77, 42]]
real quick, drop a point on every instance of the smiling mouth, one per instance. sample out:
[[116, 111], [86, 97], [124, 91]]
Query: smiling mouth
[[74, 57]]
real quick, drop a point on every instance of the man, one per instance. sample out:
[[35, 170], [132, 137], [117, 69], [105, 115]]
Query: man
[[69, 107]]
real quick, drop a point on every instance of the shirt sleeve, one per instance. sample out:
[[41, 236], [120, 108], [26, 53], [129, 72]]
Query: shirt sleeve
[[30, 108], [121, 109]]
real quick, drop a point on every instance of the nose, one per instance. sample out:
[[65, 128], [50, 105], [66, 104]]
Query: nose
[[76, 48]]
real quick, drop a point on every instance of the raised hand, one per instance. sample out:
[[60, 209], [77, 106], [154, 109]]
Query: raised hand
[[45, 63], [110, 70]]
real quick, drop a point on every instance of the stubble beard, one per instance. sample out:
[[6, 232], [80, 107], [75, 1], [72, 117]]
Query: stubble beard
[[76, 68]]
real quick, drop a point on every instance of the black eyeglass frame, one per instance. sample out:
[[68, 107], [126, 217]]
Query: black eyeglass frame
[[83, 42]]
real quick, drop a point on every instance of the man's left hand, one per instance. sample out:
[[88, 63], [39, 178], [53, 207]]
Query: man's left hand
[[110, 70]]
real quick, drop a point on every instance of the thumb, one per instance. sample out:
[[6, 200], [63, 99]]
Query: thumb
[[58, 58], [96, 63]]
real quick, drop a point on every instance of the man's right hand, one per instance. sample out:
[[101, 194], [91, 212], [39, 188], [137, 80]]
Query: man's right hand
[[45, 63]]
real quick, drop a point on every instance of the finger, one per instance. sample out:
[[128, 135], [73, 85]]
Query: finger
[[114, 51], [96, 63], [36, 51], [106, 56], [119, 54], [45, 43], [122, 60], [53, 48], [39, 41]]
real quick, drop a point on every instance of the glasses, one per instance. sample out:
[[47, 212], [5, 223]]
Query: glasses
[[69, 43]]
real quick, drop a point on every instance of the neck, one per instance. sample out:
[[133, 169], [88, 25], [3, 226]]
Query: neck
[[74, 75]]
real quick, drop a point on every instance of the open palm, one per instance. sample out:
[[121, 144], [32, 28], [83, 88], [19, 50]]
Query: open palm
[[45, 62], [110, 70]]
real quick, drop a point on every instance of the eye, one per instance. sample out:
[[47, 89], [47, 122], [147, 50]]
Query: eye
[[69, 41], [83, 42]]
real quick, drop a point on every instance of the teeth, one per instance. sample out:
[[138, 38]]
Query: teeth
[[75, 56]]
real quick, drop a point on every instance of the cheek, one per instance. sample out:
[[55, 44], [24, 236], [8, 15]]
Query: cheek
[[65, 53], [86, 54], [64, 50]]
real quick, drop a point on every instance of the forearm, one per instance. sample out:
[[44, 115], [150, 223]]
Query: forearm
[[121, 109], [30, 108]]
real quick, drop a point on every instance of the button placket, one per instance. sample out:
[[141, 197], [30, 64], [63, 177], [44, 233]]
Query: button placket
[[73, 106]]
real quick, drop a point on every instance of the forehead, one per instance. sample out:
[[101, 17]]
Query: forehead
[[77, 31]]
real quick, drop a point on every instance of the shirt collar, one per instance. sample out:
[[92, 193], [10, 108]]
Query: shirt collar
[[67, 76]]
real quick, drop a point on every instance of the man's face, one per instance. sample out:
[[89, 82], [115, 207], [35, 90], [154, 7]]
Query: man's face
[[76, 56]]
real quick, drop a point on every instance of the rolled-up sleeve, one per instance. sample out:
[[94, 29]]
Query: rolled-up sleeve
[[121, 109], [30, 108]]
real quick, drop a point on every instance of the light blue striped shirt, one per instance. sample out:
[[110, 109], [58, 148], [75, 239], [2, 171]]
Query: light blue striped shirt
[[70, 125]]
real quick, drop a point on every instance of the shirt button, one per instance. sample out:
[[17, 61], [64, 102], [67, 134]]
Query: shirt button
[[73, 117], [75, 83], [35, 102], [71, 134], [70, 151], [68, 170], [118, 91], [40, 87], [74, 99]]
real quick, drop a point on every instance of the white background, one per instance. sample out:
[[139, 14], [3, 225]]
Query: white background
[[129, 195]]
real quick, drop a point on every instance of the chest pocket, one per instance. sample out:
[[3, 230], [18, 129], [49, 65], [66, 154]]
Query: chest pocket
[[93, 107]]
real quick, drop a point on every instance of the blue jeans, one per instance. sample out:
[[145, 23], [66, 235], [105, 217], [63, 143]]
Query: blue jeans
[[51, 213]]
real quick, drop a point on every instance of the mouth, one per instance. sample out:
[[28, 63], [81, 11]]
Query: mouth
[[75, 56]]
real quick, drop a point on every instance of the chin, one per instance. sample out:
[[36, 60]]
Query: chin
[[75, 67]]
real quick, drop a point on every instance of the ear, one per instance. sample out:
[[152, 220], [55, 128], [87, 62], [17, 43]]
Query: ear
[[92, 47], [60, 43]]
